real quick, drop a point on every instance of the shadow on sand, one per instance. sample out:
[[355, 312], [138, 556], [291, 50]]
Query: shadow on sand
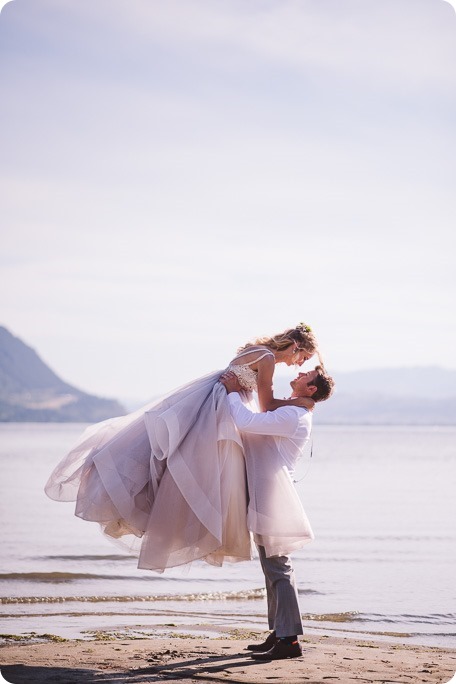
[[202, 669]]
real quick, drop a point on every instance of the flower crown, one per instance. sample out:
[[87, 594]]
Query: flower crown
[[303, 328]]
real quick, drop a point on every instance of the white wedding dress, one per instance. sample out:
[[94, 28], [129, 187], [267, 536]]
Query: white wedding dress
[[170, 481]]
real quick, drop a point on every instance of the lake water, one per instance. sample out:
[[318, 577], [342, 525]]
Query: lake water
[[381, 501]]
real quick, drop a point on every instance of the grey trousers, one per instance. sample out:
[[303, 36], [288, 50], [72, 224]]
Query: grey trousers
[[283, 607]]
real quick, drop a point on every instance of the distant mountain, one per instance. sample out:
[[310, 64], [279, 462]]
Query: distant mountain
[[430, 381], [30, 391], [389, 396], [371, 409]]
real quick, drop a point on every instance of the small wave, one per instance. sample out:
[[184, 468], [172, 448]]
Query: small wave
[[82, 557], [390, 537], [355, 616], [310, 592], [62, 577], [58, 577], [361, 560], [432, 619], [250, 594], [333, 617]]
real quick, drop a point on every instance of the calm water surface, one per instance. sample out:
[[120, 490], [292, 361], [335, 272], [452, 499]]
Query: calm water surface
[[381, 502]]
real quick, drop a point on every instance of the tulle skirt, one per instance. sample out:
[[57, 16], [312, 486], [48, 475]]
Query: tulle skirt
[[174, 482]]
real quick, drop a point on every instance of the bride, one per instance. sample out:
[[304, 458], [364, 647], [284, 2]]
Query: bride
[[169, 480]]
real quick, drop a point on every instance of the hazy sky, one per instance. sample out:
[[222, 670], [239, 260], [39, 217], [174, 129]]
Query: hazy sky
[[179, 176]]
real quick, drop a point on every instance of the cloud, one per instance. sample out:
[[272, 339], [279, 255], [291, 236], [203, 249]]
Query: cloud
[[178, 177], [350, 40], [387, 45], [3, 3], [452, 3]]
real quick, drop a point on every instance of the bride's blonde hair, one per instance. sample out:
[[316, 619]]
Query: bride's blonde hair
[[302, 336]]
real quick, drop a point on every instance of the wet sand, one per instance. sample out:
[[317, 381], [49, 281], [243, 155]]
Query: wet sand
[[119, 659]]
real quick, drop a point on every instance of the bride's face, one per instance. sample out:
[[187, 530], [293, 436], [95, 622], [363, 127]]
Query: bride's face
[[297, 356], [302, 355]]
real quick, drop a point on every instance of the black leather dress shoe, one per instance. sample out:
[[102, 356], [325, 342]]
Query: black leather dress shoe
[[266, 645], [279, 651]]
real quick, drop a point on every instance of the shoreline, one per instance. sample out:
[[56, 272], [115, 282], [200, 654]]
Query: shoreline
[[76, 626], [119, 658]]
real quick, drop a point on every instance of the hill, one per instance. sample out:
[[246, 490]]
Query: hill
[[31, 392]]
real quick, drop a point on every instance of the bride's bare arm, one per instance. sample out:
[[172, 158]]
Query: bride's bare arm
[[266, 397]]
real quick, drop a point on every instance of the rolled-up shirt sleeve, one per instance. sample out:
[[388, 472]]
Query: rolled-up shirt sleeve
[[283, 422]]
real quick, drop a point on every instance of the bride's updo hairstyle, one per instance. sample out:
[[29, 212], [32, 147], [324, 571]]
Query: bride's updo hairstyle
[[301, 336]]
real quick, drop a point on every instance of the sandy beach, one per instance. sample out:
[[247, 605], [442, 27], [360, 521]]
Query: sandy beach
[[119, 659]]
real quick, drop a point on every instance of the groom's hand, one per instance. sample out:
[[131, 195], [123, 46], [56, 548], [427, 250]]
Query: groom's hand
[[231, 382]]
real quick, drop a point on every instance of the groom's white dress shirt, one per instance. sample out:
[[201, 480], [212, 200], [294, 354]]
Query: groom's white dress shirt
[[290, 427]]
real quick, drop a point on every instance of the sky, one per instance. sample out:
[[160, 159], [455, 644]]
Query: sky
[[181, 176]]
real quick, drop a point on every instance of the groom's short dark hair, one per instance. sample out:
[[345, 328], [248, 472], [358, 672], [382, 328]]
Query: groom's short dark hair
[[324, 384]]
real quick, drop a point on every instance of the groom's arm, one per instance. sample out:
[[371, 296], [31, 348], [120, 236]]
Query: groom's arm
[[283, 422]]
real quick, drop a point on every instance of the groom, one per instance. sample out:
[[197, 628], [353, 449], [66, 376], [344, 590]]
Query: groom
[[289, 427]]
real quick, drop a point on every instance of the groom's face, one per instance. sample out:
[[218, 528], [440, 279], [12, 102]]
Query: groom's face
[[303, 384]]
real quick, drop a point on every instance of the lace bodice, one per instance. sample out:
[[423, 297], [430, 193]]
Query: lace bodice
[[245, 374]]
